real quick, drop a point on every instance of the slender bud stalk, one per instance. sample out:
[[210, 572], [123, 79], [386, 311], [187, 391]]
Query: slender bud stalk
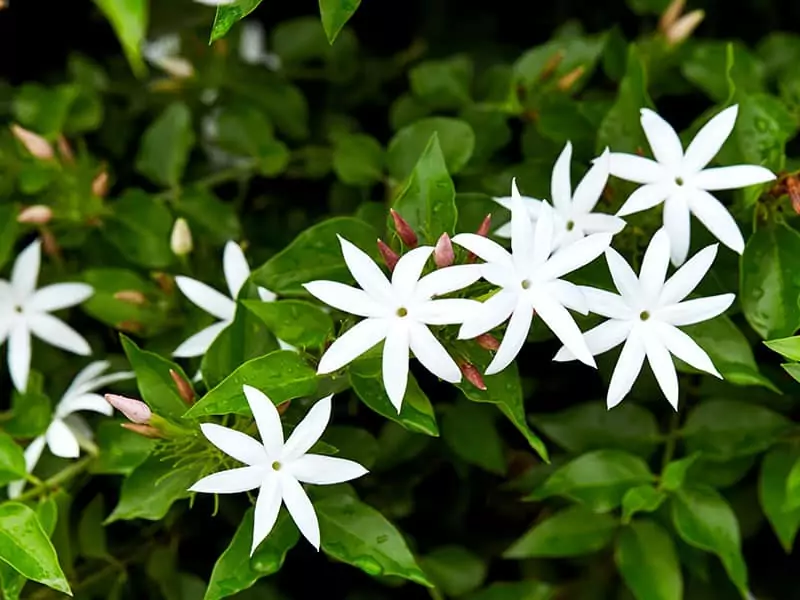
[[443, 254], [147, 431], [135, 410], [390, 257], [404, 231], [185, 389]]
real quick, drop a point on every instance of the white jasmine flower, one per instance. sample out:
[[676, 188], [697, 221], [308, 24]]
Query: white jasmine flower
[[216, 2], [253, 47], [67, 429], [573, 215], [276, 468], [529, 281], [397, 311], [24, 310], [164, 53], [646, 315], [237, 271], [682, 182]]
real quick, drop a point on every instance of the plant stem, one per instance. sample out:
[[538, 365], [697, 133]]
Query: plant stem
[[57, 480], [230, 174], [672, 439]]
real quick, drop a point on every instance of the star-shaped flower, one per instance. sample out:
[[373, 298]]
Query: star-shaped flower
[[573, 216], [529, 281], [66, 429], [682, 182], [397, 311], [237, 271], [646, 315], [164, 53], [276, 468], [24, 310]]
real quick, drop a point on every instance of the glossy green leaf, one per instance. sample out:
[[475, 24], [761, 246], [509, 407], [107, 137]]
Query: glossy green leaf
[[469, 429], [518, 590], [31, 411], [358, 159], [706, 521], [642, 498], [787, 347], [228, 14], [674, 474], [335, 13], [357, 534], [763, 128], [646, 558], [165, 146], [456, 142], [296, 322], [208, 216], [9, 228], [776, 467], [454, 569], [91, 533], [282, 375], [706, 67], [535, 69], [129, 18], [793, 487], [139, 227], [120, 450], [572, 531], [443, 84], [12, 461]]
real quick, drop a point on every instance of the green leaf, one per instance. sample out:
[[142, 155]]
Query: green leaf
[[776, 467], [31, 411], [763, 128], [706, 67], [91, 533], [793, 487], [443, 84], [335, 13], [228, 14], [26, 547], [598, 479], [704, 520], [471, 432], [646, 559], [12, 461], [788, 347], [208, 216], [454, 570], [316, 254], [9, 228], [674, 474], [165, 146], [139, 227], [354, 443], [570, 532], [359, 535], [456, 142], [155, 383], [358, 159], [129, 20], [723, 429], [642, 498], [235, 570], [296, 322], [416, 413], [120, 451], [518, 590], [591, 426], [427, 201], [153, 486], [282, 375], [572, 51], [792, 369]]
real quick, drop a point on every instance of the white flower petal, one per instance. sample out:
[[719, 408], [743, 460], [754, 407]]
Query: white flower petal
[[26, 272], [91, 402], [711, 213], [251, 42], [232, 481], [198, 344], [447, 280], [729, 178], [496, 310], [627, 369], [235, 267], [576, 255], [664, 141], [265, 295], [501, 275], [685, 348], [58, 296], [561, 323], [600, 339], [235, 444], [308, 431], [216, 2], [408, 270], [207, 298], [542, 242], [645, 198], [19, 356], [504, 231], [102, 381], [685, 279], [654, 267], [514, 338], [483, 247], [32, 455], [625, 280], [267, 420], [431, 354], [85, 376], [568, 294], [606, 304], [678, 226], [635, 168], [352, 344], [61, 441], [395, 364], [366, 272], [325, 470], [448, 311], [591, 186], [709, 140], [301, 509], [345, 298], [57, 333], [600, 223], [268, 505], [560, 182], [694, 311], [662, 366]]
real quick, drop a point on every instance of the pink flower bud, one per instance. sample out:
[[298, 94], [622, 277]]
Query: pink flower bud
[[38, 214], [390, 257], [65, 150], [33, 142], [100, 185], [486, 224], [404, 231], [135, 410], [671, 14], [443, 254], [131, 297], [487, 341], [684, 27], [472, 375], [793, 189], [185, 389]]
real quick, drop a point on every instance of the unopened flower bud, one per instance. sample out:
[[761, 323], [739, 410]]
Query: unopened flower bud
[[283, 407], [135, 410], [49, 243], [65, 150], [131, 297], [181, 239], [130, 326], [551, 65], [38, 214], [390, 257], [472, 375], [100, 184], [487, 341], [793, 189], [443, 254], [147, 431], [567, 81], [165, 282], [33, 142], [683, 27], [670, 15], [185, 389], [486, 224], [404, 231]]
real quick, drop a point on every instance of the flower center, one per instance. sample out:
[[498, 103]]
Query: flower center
[[679, 180], [644, 315], [402, 312], [570, 225], [276, 466], [526, 283]]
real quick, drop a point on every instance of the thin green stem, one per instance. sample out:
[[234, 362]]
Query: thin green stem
[[435, 594], [57, 480], [672, 439]]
